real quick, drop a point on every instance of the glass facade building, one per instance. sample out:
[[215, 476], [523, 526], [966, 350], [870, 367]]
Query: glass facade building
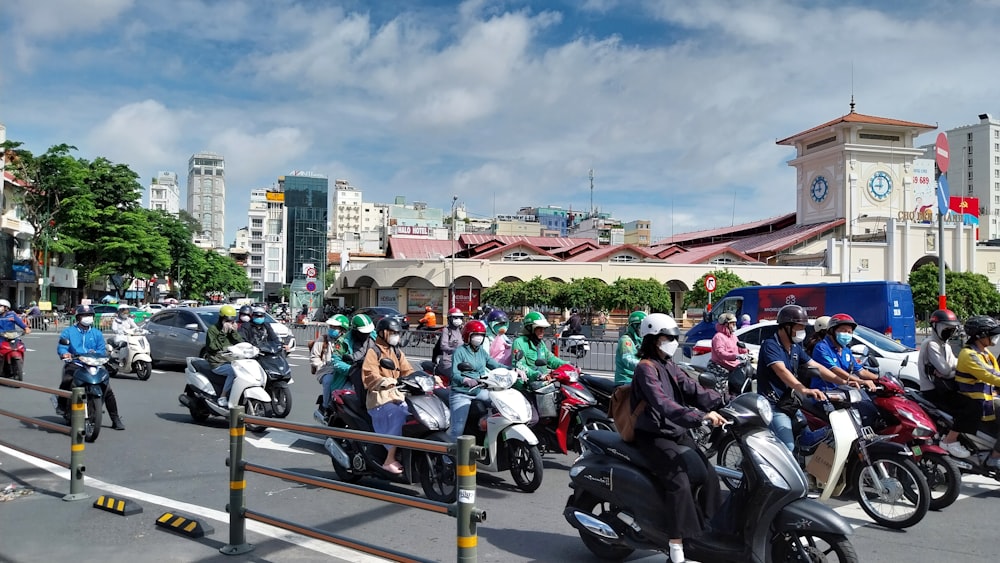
[[306, 204]]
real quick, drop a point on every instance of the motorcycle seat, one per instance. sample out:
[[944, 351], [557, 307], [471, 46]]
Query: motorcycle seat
[[356, 405], [603, 384], [613, 445], [203, 367]]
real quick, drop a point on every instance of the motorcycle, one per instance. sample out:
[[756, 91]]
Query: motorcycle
[[133, 357], [979, 444], [729, 386], [91, 375], [12, 355], [203, 386], [565, 408], [502, 431], [617, 507], [274, 362], [890, 488], [575, 344], [429, 419]]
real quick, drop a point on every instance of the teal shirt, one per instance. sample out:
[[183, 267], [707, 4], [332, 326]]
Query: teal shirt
[[626, 358], [524, 354], [479, 359]]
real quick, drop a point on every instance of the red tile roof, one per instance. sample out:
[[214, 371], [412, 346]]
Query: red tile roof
[[705, 254], [514, 246], [854, 117], [602, 253], [8, 177], [728, 232], [419, 249], [474, 239]]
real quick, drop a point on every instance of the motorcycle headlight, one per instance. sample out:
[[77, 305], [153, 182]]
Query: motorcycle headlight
[[764, 408], [772, 474], [510, 413]]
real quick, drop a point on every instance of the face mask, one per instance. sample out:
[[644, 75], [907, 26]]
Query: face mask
[[87, 321], [669, 347], [244, 318], [258, 320], [800, 335], [476, 340], [843, 338], [995, 340], [333, 333], [393, 340], [456, 322]]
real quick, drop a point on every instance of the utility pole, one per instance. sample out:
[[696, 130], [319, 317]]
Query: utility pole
[[592, 192], [454, 234]]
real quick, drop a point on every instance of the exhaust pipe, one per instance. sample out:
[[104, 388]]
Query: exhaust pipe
[[594, 526], [184, 399], [337, 453], [318, 417]]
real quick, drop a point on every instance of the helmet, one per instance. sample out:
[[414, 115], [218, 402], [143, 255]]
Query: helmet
[[636, 317], [123, 311], [428, 308], [496, 318], [978, 326], [534, 319], [473, 327], [339, 320], [745, 318], [792, 315], [4, 303], [822, 323], [259, 312], [246, 310], [659, 323], [574, 311], [80, 309], [455, 312], [841, 319], [943, 320], [362, 323], [388, 323], [726, 318], [227, 311]]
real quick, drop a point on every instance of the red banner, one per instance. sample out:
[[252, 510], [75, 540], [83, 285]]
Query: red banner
[[812, 299], [467, 300]]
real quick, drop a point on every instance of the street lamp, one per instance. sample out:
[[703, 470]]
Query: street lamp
[[454, 234]]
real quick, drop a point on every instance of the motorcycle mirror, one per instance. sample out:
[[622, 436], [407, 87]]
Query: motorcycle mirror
[[427, 366], [387, 363], [707, 380], [539, 362], [859, 350], [465, 366]]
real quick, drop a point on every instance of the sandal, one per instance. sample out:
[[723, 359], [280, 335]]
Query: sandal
[[393, 467]]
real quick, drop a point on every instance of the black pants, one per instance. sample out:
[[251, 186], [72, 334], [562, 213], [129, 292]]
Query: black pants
[[67, 383], [690, 484], [965, 410]]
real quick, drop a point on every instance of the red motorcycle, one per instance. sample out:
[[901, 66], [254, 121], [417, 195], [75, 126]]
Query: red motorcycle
[[565, 408], [12, 355]]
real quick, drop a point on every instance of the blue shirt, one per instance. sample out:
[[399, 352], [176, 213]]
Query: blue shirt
[[827, 356], [11, 320], [772, 352], [76, 341]]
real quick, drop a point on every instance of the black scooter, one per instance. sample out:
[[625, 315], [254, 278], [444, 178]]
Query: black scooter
[[90, 374], [274, 361], [617, 504]]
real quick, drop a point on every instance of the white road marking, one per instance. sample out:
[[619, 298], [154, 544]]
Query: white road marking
[[281, 441]]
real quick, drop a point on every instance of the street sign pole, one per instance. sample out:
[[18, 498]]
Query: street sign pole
[[941, 158]]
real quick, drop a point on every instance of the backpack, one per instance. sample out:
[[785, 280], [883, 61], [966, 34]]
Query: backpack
[[622, 412], [354, 374]]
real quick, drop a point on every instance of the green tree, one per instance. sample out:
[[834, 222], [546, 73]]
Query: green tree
[[135, 251], [537, 293], [968, 293], [503, 294], [586, 294], [725, 281], [633, 294]]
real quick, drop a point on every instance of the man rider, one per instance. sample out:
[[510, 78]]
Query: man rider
[[9, 320], [627, 353], [429, 321], [245, 313], [574, 325], [833, 353], [122, 325], [83, 339], [464, 383], [259, 332], [528, 348], [449, 340], [936, 364], [221, 335], [978, 375]]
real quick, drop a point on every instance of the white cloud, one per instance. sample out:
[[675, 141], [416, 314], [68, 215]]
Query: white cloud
[[144, 135]]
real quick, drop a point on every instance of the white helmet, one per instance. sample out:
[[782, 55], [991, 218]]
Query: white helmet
[[822, 323], [659, 323], [4, 303]]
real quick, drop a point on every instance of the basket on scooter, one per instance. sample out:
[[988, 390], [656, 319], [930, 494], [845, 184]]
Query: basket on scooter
[[545, 400]]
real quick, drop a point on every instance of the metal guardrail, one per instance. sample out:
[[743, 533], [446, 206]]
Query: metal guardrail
[[463, 509], [76, 433]]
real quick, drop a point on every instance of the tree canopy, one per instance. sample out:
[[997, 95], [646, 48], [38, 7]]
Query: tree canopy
[[724, 282], [968, 293]]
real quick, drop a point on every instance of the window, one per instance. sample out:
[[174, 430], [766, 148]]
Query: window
[[970, 189], [970, 163], [970, 174], [256, 247], [256, 272], [517, 255], [996, 160], [996, 199], [257, 223], [624, 258], [969, 137], [969, 150]]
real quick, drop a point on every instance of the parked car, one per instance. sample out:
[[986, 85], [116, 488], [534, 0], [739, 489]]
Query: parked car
[[377, 313], [893, 357], [178, 333], [105, 313], [152, 307]]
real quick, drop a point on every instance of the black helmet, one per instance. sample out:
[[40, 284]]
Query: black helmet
[[944, 323], [792, 315], [246, 310], [388, 323], [980, 326], [84, 310]]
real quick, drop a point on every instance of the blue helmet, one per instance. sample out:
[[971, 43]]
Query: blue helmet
[[494, 319]]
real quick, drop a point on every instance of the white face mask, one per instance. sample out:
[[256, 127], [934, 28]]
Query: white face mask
[[87, 321], [456, 321], [800, 335], [669, 347], [393, 340], [476, 340], [244, 318], [995, 340]]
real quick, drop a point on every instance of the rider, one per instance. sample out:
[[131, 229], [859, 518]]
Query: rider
[[574, 325], [627, 353], [83, 339], [245, 314], [977, 374], [528, 348], [464, 385], [674, 404], [833, 353], [9, 320], [778, 363], [388, 411], [937, 364], [726, 353], [259, 332], [496, 336], [820, 327], [429, 321], [221, 335], [449, 340], [329, 351], [122, 326]]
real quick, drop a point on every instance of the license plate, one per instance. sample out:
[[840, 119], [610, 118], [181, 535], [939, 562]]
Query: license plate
[[916, 451]]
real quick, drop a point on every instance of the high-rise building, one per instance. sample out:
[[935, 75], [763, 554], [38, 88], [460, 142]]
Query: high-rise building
[[346, 217], [306, 197], [206, 195], [165, 193], [974, 169], [266, 243]]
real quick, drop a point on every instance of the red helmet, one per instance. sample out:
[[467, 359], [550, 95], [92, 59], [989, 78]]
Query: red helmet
[[841, 319], [944, 316], [473, 327], [455, 312]]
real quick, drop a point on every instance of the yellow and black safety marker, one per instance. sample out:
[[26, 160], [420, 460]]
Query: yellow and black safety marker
[[184, 525], [122, 506]]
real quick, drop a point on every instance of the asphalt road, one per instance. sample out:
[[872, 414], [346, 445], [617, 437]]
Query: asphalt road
[[167, 461]]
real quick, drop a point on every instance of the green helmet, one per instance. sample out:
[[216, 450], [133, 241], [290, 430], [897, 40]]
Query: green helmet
[[534, 319], [636, 318], [227, 311], [362, 323], [339, 320]]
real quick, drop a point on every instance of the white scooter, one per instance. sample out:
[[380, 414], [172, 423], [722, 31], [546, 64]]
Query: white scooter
[[203, 388], [574, 345], [133, 357], [502, 431]]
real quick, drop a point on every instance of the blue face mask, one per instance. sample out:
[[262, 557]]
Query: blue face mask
[[333, 333], [844, 338], [258, 320]]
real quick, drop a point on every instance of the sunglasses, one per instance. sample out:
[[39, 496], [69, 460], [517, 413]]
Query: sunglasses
[[669, 337]]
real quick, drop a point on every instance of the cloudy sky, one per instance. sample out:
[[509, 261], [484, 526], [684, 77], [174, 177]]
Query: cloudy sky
[[675, 104]]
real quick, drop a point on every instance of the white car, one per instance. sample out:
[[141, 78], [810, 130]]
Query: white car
[[152, 307], [893, 358]]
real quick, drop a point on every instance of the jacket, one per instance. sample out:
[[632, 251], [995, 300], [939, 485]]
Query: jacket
[[977, 374], [448, 342], [936, 355], [480, 360], [725, 348], [525, 352], [121, 327], [77, 341], [11, 320], [261, 336], [216, 341], [669, 396], [374, 376], [626, 357]]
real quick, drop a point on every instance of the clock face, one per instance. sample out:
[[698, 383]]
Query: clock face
[[819, 189], [880, 185]]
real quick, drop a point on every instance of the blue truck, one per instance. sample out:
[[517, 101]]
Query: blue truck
[[884, 306]]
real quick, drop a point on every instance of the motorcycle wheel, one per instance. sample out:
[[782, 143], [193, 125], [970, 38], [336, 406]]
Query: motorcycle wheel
[[907, 496], [92, 424], [730, 456], [819, 547], [437, 477], [198, 414], [605, 511], [282, 401], [253, 407], [142, 369], [16, 370], [344, 474], [525, 465], [943, 479], [581, 352]]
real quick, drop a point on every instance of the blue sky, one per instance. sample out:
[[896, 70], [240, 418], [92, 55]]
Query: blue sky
[[676, 105]]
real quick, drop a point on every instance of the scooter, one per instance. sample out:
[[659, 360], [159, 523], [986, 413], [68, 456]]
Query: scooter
[[203, 387], [12, 355], [980, 444], [133, 357], [617, 507], [565, 408], [93, 377], [740, 381], [502, 431], [574, 345], [274, 362], [429, 419]]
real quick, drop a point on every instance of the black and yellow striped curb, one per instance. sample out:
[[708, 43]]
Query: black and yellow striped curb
[[122, 506], [183, 525]]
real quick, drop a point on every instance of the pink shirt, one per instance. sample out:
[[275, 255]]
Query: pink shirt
[[725, 348]]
